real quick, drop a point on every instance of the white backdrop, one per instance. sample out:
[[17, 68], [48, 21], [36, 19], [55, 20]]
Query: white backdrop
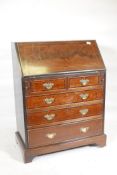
[[45, 20]]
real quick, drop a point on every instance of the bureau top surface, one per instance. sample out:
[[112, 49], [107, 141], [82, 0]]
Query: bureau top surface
[[40, 58]]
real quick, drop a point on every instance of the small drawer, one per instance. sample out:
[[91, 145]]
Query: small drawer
[[63, 98], [47, 84], [62, 133], [81, 81], [52, 116]]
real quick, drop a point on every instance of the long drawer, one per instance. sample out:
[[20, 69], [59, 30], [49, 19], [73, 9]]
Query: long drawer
[[63, 98], [58, 115], [62, 133]]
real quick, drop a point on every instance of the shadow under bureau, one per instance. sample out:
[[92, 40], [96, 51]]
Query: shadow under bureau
[[59, 96]]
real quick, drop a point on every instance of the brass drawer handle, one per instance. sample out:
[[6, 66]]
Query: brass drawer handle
[[84, 129], [48, 85], [84, 96], [49, 100], [84, 111], [84, 82], [49, 116], [51, 135]]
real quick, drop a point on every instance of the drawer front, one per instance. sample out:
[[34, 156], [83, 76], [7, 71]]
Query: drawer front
[[63, 98], [47, 85], [62, 133], [51, 116], [82, 81]]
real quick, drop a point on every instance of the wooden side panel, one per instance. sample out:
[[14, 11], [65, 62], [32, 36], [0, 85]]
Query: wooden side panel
[[18, 92]]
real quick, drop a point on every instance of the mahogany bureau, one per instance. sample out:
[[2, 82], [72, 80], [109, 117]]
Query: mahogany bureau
[[59, 96]]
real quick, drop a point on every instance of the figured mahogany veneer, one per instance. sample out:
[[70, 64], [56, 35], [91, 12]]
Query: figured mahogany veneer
[[77, 81], [63, 98], [59, 96], [62, 133], [52, 116], [38, 85], [40, 58]]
